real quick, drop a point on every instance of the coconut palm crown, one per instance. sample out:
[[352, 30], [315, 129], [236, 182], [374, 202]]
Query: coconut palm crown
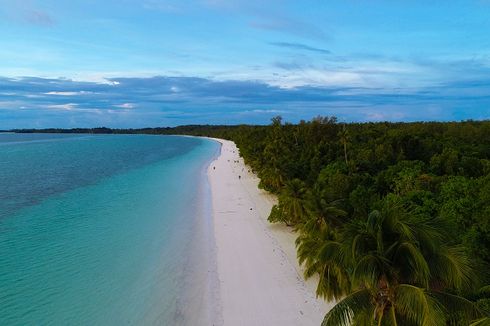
[[392, 268]]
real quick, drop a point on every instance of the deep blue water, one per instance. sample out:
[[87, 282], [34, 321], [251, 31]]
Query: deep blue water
[[105, 230]]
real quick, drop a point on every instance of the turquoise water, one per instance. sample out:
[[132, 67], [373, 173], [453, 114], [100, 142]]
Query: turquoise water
[[105, 230]]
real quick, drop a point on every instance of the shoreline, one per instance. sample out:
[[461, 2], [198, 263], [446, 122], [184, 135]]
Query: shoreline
[[195, 304], [260, 280]]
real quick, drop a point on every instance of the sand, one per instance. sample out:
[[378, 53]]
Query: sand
[[260, 281]]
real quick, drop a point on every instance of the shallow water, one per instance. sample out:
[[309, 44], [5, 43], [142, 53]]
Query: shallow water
[[105, 230]]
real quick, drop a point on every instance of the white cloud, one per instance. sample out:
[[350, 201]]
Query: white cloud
[[385, 116], [9, 104], [268, 111], [126, 106], [33, 96], [312, 77], [67, 106], [68, 93]]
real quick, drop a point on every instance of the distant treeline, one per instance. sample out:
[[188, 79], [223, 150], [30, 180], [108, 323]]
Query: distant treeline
[[200, 130], [394, 218]]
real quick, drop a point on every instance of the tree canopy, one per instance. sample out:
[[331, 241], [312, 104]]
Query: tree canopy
[[394, 218]]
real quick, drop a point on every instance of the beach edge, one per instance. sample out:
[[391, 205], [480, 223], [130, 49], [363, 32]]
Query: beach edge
[[260, 280]]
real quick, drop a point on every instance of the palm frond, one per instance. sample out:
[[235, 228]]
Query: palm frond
[[412, 263], [369, 269], [481, 322], [334, 283], [332, 251], [485, 290], [464, 308], [418, 306], [451, 268], [344, 312]]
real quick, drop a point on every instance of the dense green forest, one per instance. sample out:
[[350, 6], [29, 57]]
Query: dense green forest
[[394, 218]]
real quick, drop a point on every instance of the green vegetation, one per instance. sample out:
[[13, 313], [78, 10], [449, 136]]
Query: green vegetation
[[394, 218]]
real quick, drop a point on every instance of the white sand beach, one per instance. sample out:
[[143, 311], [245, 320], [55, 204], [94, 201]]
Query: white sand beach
[[260, 280]]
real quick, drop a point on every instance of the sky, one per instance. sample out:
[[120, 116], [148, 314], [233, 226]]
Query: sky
[[140, 63]]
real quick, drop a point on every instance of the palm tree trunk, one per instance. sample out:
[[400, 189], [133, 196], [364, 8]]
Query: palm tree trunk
[[345, 152], [393, 316]]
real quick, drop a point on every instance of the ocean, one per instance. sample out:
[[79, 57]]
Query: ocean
[[106, 230]]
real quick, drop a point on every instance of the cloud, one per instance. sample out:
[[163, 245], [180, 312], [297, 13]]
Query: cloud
[[67, 106], [292, 66], [126, 106], [154, 101], [272, 17], [300, 46], [38, 17], [268, 111], [384, 116], [27, 12], [68, 93]]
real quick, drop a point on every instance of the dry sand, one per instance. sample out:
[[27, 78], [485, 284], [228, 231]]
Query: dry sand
[[260, 281]]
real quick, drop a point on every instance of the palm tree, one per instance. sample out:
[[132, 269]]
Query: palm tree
[[324, 209], [399, 271], [344, 140], [317, 233], [321, 255], [292, 206], [270, 179]]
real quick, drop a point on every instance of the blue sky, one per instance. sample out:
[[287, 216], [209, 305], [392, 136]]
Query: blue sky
[[134, 63]]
